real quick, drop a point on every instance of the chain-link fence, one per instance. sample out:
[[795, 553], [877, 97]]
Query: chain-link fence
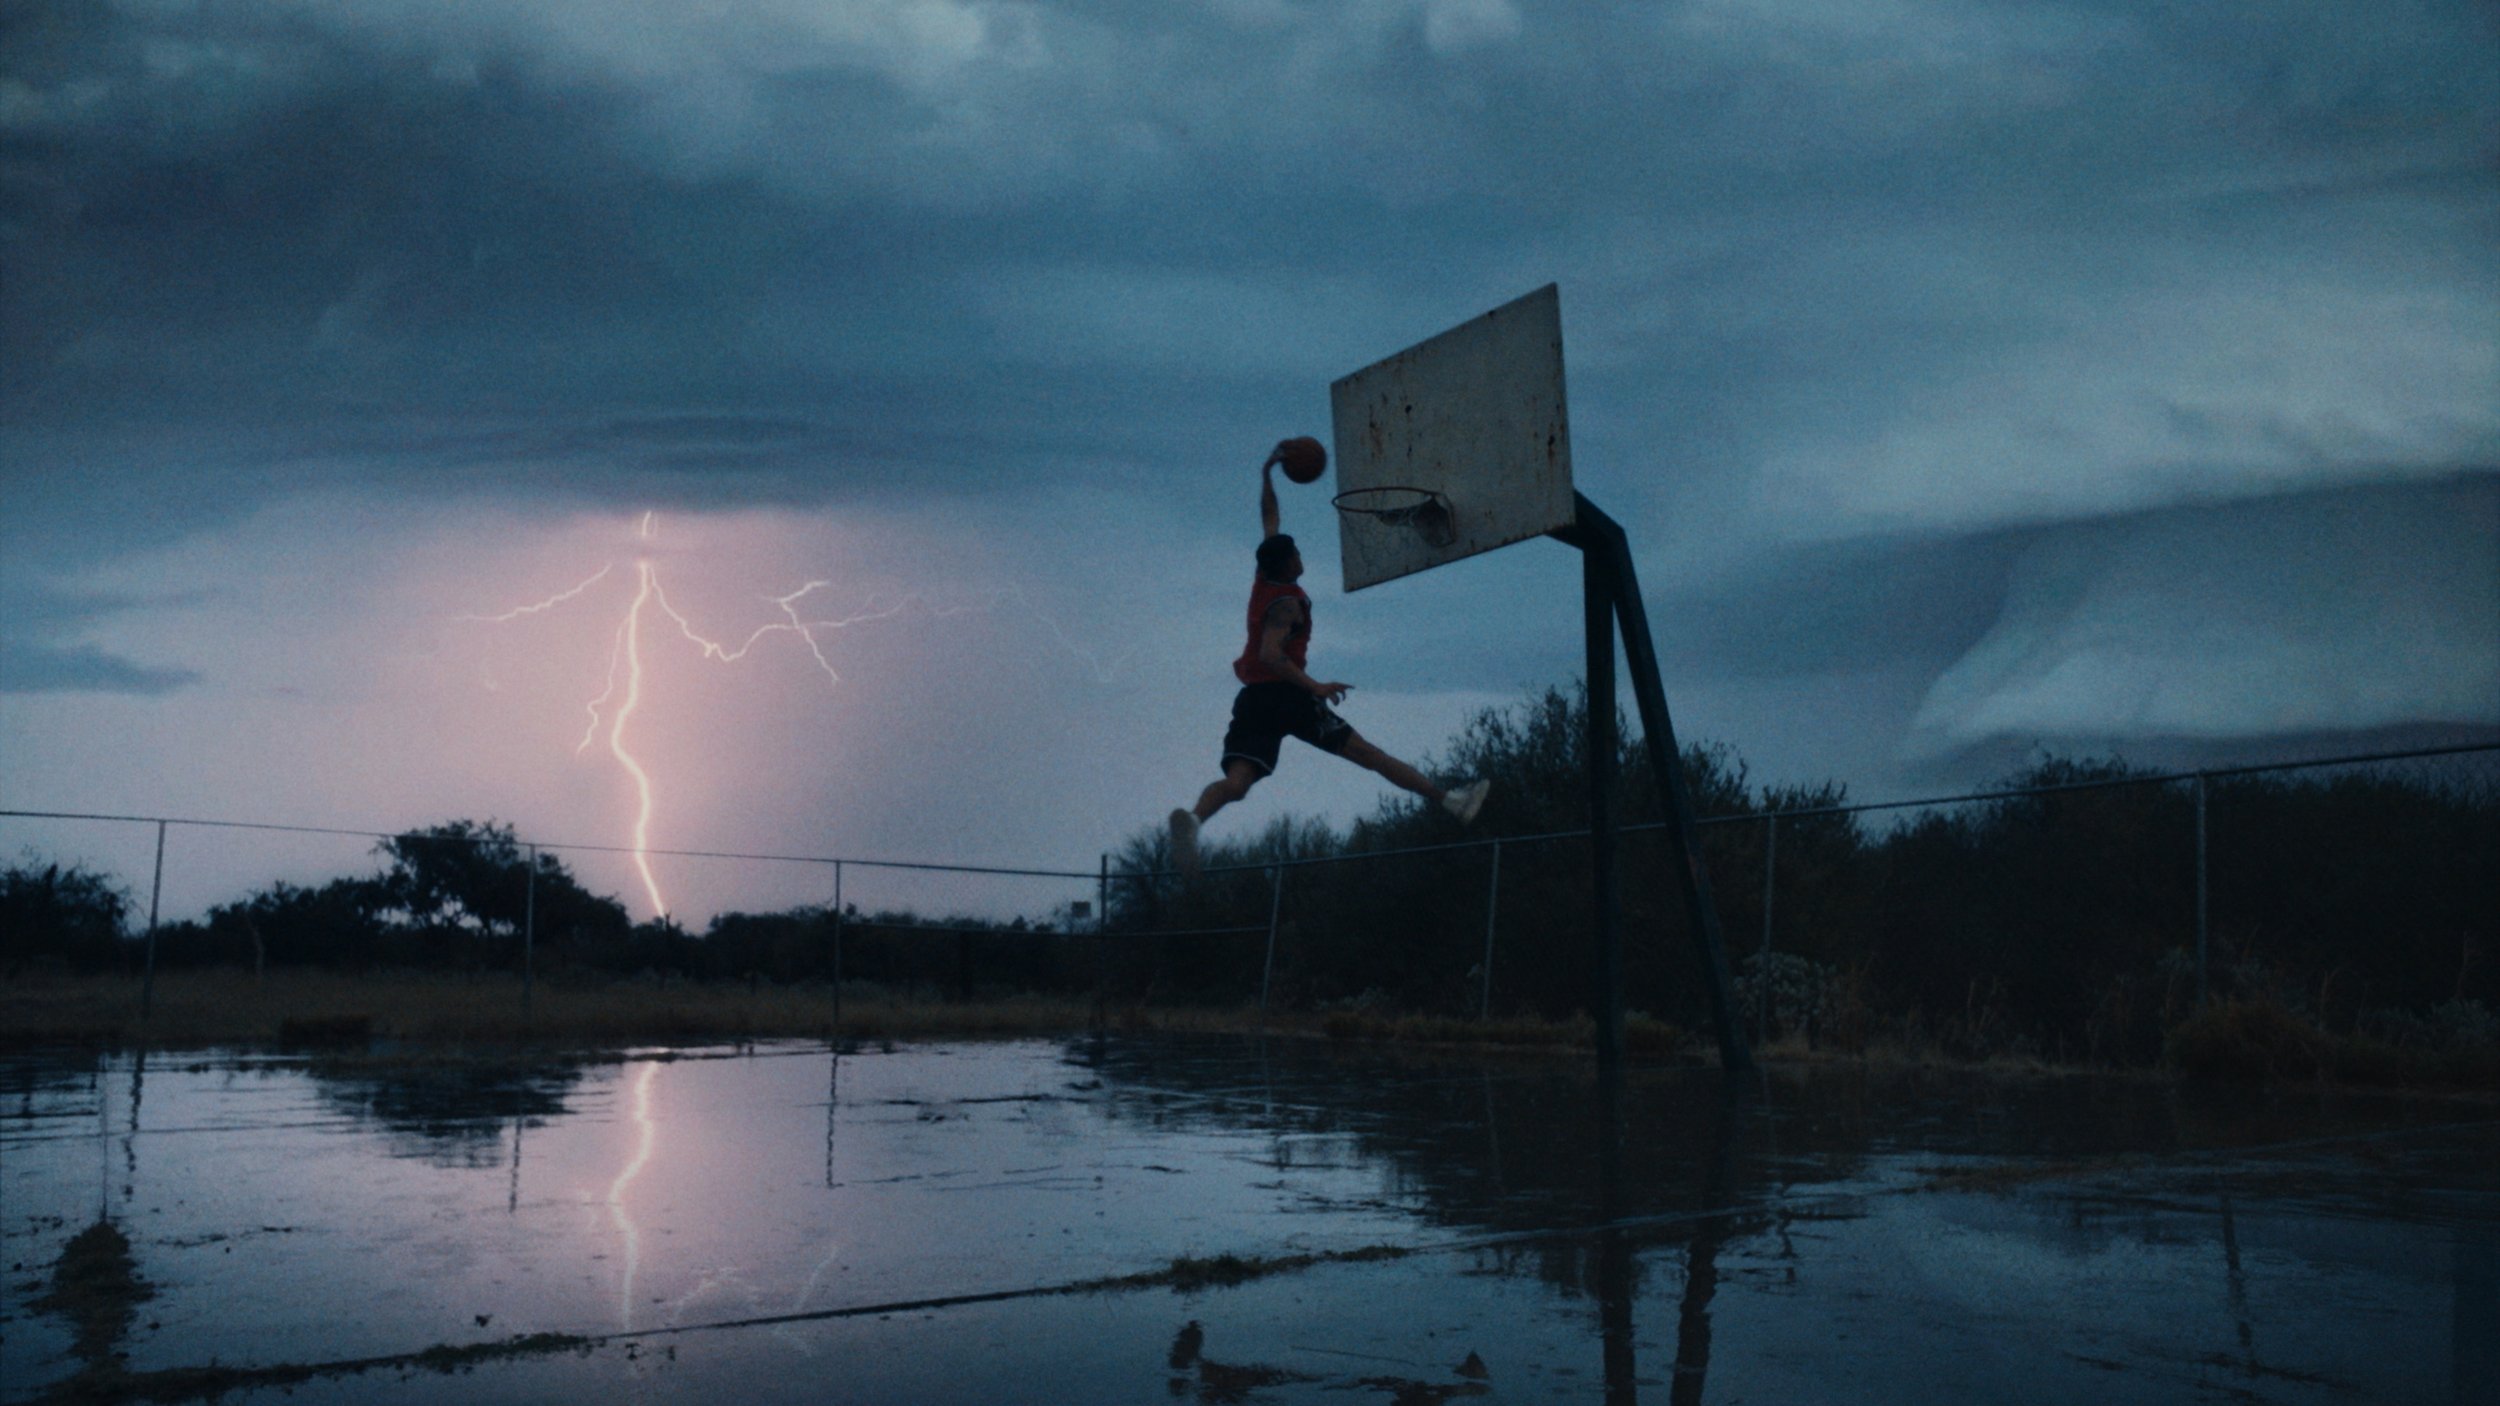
[[2079, 914], [471, 897]]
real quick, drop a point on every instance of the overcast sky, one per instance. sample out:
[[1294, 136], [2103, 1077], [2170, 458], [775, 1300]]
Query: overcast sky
[[1971, 378]]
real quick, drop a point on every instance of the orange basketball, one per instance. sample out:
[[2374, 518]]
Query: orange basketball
[[1302, 458]]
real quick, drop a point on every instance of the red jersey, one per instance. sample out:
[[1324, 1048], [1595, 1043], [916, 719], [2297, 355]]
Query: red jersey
[[1264, 593]]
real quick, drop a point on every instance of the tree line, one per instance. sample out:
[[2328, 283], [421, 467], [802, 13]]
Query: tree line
[[2061, 923], [458, 896]]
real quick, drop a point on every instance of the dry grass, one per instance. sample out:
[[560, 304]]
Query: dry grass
[[2256, 1041], [1894, 1053], [300, 1007], [1642, 1035], [297, 1007]]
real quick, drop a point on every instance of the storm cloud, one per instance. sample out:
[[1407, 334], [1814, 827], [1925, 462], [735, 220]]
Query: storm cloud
[[2338, 612], [1846, 230], [2031, 370]]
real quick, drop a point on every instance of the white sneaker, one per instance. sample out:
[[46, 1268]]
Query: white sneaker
[[1185, 843], [1466, 801]]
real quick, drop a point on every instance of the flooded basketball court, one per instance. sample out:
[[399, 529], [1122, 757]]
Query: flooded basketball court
[[1225, 1220]]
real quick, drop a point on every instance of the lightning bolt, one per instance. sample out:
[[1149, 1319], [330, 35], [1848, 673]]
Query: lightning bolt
[[539, 607], [630, 638], [620, 695], [804, 629], [612, 711]]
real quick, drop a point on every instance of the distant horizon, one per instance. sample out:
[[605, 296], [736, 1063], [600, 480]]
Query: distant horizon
[[2425, 751]]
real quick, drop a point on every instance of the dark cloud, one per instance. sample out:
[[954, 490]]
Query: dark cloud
[[1927, 599], [1903, 340], [35, 668], [41, 652], [374, 206], [2000, 760], [2350, 613]]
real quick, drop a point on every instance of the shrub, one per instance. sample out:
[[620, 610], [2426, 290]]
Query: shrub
[[72, 915], [2248, 1040]]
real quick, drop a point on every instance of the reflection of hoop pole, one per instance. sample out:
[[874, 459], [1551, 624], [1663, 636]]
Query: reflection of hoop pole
[[1421, 510]]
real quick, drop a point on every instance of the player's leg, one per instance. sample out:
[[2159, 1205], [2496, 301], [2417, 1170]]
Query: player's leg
[[1250, 748], [1462, 802], [1359, 750], [1240, 774]]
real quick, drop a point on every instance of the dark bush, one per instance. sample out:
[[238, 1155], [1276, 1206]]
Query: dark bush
[[2060, 922], [73, 915]]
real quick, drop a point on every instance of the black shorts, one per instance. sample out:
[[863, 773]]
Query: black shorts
[[1265, 714]]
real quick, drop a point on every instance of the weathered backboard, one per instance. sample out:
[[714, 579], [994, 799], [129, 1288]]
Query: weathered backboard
[[1475, 415]]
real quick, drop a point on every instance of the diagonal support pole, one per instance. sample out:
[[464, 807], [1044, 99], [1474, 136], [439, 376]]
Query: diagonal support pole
[[1600, 537]]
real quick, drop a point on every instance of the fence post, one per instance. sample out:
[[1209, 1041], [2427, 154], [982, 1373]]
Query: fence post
[[1275, 906], [529, 934], [1102, 935], [1492, 907], [2200, 890], [156, 890], [837, 947], [1762, 967]]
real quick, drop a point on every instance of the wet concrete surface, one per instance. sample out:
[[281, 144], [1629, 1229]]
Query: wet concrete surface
[[1221, 1220]]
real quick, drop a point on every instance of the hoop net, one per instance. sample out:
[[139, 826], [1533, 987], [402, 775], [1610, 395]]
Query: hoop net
[[1417, 510]]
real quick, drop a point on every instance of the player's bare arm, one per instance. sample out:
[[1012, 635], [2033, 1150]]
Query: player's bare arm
[[1282, 617], [1269, 516]]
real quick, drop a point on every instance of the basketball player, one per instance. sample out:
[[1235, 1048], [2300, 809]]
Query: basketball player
[[1280, 699]]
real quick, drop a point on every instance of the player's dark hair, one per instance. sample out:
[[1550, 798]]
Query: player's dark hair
[[1273, 551]]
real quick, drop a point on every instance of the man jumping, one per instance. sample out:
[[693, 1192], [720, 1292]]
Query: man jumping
[[1280, 699]]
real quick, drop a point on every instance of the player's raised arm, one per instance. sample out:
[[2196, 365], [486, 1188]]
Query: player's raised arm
[[1268, 515]]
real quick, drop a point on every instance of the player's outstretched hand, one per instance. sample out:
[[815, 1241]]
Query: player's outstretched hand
[[1334, 692]]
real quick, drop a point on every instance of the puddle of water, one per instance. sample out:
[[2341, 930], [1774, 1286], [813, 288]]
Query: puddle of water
[[1827, 1235]]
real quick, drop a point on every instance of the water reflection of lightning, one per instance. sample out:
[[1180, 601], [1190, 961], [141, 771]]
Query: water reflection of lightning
[[649, 1133]]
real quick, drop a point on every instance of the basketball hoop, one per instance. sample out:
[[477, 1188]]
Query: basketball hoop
[[1418, 510]]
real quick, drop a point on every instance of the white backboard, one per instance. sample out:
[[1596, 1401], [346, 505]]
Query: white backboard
[[1474, 414]]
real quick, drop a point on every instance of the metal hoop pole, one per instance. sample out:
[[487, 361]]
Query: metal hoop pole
[[2200, 891], [1762, 973], [529, 934], [1275, 906], [1601, 535], [1598, 588], [1492, 908], [156, 890]]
